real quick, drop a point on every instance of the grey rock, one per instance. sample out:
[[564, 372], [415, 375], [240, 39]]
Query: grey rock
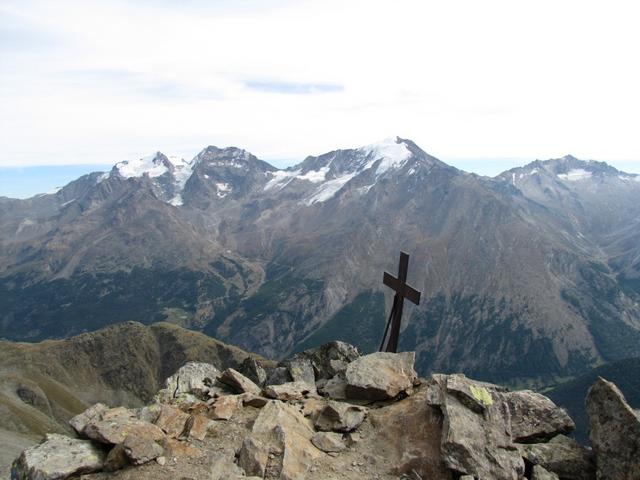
[[328, 442], [192, 378], [335, 387], [476, 431], [301, 370], [340, 417], [254, 371], [57, 457], [562, 456], [380, 376], [79, 422], [539, 473], [278, 376], [253, 457], [614, 432], [238, 382], [535, 418], [330, 359]]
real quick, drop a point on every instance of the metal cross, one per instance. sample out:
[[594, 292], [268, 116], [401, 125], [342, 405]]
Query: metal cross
[[403, 290]]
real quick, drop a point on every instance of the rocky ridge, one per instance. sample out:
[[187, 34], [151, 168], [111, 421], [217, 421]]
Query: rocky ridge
[[329, 413]]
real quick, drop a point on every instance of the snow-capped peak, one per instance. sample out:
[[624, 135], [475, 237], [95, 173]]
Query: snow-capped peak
[[153, 165], [392, 153]]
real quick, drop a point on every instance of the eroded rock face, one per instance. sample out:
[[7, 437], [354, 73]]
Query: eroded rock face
[[614, 433], [57, 457], [330, 359], [380, 376], [79, 422], [539, 473]]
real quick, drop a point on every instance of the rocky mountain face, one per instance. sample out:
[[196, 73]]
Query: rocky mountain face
[[331, 413], [527, 277], [43, 385]]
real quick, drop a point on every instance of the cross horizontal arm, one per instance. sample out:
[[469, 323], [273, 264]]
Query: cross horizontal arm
[[402, 289]]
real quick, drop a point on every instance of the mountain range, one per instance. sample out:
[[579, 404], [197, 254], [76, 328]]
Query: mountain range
[[530, 277]]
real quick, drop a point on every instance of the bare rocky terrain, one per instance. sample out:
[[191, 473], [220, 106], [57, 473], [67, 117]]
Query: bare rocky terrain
[[330, 413]]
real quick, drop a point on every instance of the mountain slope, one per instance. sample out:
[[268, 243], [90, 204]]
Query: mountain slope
[[42, 385], [527, 277]]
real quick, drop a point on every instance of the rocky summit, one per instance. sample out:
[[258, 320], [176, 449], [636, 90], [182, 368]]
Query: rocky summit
[[330, 413]]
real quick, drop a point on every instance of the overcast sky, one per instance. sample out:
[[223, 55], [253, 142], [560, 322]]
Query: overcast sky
[[474, 83]]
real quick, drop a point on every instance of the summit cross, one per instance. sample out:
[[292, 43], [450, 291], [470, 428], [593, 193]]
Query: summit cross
[[403, 290]]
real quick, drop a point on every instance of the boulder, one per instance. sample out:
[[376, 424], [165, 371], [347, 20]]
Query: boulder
[[282, 433], [328, 442], [237, 382], [289, 391], [562, 456], [278, 376], [256, 401], [192, 378], [199, 426], [614, 432], [300, 370], [112, 426], [329, 359], [172, 420], [335, 387], [141, 446], [539, 473], [254, 371], [380, 376], [339, 417], [476, 430], [57, 457], [536, 418], [79, 422]]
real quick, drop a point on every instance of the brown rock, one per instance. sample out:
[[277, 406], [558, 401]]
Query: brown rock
[[409, 434], [113, 425], [256, 401], [224, 407], [171, 420], [253, 457], [614, 432], [199, 427], [141, 445]]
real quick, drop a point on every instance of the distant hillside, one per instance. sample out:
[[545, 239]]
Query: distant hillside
[[43, 384], [625, 374]]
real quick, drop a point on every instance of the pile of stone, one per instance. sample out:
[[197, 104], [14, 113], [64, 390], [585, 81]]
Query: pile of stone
[[332, 413]]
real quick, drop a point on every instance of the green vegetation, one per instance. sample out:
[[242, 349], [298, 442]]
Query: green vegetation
[[360, 323]]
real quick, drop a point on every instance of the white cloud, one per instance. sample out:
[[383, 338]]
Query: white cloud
[[98, 82]]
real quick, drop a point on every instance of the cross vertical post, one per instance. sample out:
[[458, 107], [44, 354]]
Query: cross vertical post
[[403, 290]]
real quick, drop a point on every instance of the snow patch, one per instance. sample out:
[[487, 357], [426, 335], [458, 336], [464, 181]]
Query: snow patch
[[223, 189], [151, 165], [176, 201], [329, 189], [315, 176], [281, 178], [67, 203], [575, 175]]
